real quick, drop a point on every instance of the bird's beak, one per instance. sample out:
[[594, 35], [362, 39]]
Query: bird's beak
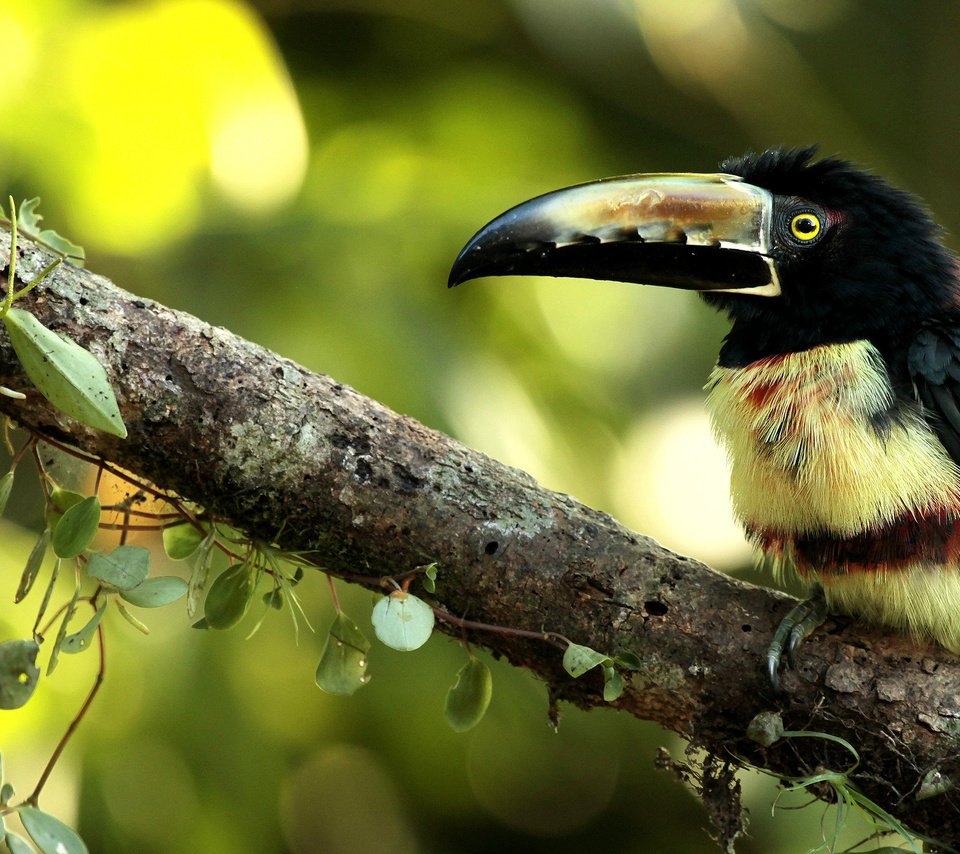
[[701, 232]]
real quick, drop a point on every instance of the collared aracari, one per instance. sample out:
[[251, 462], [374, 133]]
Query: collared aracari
[[837, 389]]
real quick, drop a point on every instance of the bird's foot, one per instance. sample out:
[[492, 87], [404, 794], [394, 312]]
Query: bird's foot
[[800, 621]]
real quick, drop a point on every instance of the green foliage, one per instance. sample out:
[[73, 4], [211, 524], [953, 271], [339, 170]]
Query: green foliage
[[80, 640], [343, 663], [579, 659], [402, 621], [430, 578], [28, 222], [849, 799], [469, 697], [6, 487], [19, 673], [77, 527], [49, 834], [182, 540], [125, 568], [230, 594], [34, 562], [156, 592], [68, 376]]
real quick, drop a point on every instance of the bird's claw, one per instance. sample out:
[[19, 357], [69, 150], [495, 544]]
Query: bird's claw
[[799, 622]]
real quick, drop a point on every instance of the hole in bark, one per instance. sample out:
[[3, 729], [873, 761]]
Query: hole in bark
[[746, 627], [655, 608], [491, 547]]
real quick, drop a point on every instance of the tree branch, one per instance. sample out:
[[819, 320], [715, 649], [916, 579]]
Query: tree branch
[[289, 455]]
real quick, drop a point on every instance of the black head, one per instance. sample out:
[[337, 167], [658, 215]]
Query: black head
[[856, 257]]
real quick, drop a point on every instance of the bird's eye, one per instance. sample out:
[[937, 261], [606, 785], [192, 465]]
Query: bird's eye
[[805, 227]]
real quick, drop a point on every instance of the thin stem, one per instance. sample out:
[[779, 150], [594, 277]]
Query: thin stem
[[46, 271], [98, 681], [12, 268], [549, 637], [333, 592]]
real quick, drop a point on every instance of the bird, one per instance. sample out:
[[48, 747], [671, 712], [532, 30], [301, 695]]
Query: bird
[[836, 391]]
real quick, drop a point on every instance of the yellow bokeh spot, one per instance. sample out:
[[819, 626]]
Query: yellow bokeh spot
[[165, 100], [672, 481]]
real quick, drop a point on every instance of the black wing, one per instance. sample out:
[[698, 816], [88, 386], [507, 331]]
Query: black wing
[[934, 364]]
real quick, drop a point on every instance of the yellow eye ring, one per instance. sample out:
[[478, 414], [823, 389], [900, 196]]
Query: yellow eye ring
[[805, 227]]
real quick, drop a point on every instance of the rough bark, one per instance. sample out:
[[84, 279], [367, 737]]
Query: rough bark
[[288, 454]]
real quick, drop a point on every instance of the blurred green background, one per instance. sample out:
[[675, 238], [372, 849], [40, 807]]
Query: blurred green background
[[304, 172]]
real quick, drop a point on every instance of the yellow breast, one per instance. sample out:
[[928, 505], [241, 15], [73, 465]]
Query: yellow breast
[[818, 444]]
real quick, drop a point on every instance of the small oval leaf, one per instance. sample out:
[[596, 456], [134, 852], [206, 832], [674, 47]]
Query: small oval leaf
[[612, 684], [79, 641], [77, 528], [17, 844], [19, 673], [402, 621], [343, 663], [66, 374], [63, 499], [50, 834], [34, 562], [229, 596], [124, 568], [469, 696], [578, 659], [181, 541], [156, 592]]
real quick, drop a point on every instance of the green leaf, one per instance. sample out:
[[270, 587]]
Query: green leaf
[[77, 528], [343, 662], [6, 487], [6, 793], [612, 684], [181, 541], [28, 221], [68, 376], [79, 641], [19, 673], [201, 559], [47, 594], [469, 697], [402, 621], [62, 632], [50, 834], [628, 661], [124, 568], [229, 596], [578, 659], [34, 562], [63, 499], [430, 578], [17, 844], [133, 621], [274, 599], [156, 592]]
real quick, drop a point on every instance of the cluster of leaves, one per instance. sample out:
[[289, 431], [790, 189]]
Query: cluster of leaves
[[404, 622], [49, 834], [767, 728]]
